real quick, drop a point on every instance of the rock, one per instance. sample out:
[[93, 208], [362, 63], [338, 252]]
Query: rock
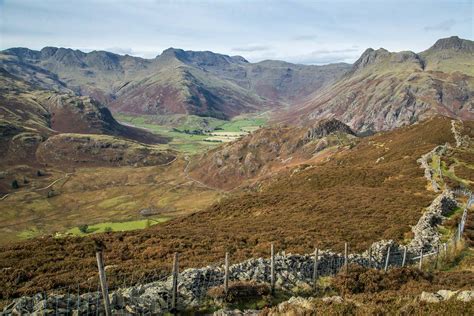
[[465, 296], [236, 312], [430, 297], [333, 299], [447, 294], [327, 127]]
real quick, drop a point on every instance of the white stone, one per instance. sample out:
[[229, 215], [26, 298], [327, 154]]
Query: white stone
[[465, 296], [430, 297]]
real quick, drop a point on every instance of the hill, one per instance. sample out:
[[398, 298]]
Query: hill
[[30, 115], [268, 150], [385, 90]]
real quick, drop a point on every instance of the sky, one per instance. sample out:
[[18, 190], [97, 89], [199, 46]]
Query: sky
[[308, 32]]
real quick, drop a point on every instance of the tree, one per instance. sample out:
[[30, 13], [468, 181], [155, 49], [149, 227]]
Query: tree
[[83, 228], [15, 184]]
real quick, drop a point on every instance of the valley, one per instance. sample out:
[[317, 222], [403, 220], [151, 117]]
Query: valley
[[193, 134], [96, 195], [202, 154]]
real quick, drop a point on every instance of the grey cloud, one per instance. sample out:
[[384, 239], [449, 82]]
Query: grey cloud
[[304, 38], [327, 56], [121, 50], [442, 26], [334, 51], [255, 48]]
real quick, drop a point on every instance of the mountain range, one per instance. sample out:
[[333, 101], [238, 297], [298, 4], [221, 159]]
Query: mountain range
[[384, 90], [175, 82], [380, 91]]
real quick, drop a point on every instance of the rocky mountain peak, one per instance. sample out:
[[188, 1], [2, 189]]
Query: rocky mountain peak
[[48, 51], [326, 127], [202, 58], [455, 43], [23, 53], [369, 57], [103, 60]]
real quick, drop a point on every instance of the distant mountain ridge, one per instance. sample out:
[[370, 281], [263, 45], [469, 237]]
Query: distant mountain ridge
[[380, 91], [177, 81]]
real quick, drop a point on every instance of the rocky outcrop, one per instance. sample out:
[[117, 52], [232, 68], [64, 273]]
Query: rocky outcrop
[[327, 127], [455, 43]]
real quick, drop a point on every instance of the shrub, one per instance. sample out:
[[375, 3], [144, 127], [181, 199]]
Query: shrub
[[239, 291], [83, 228], [39, 173], [15, 184], [108, 229], [363, 280]]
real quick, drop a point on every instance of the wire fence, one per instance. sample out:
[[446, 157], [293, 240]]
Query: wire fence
[[157, 292]]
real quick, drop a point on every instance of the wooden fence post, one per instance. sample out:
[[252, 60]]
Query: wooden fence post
[[174, 298], [420, 266], [272, 269], [346, 258], [387, 259], [437, 257], [459, 231], [226, 273], [404, 260], [103, 282], [315, 266]]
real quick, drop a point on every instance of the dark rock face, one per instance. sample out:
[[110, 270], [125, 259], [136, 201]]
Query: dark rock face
[[327, 127]]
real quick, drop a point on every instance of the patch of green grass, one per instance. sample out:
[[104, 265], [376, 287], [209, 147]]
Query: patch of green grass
[[448, 173], [29, 233], [118, 226], [114, 201], [243, 124]]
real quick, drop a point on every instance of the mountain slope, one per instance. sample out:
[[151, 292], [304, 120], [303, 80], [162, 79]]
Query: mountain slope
[[176, 87], [322, 206], [385, 90], [269, 150]]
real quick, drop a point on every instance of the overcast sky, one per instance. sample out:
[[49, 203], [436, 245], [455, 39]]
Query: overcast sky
[[310, 32]]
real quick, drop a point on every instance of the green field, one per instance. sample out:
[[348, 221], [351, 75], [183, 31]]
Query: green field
[[118, 226], [192, 134]]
